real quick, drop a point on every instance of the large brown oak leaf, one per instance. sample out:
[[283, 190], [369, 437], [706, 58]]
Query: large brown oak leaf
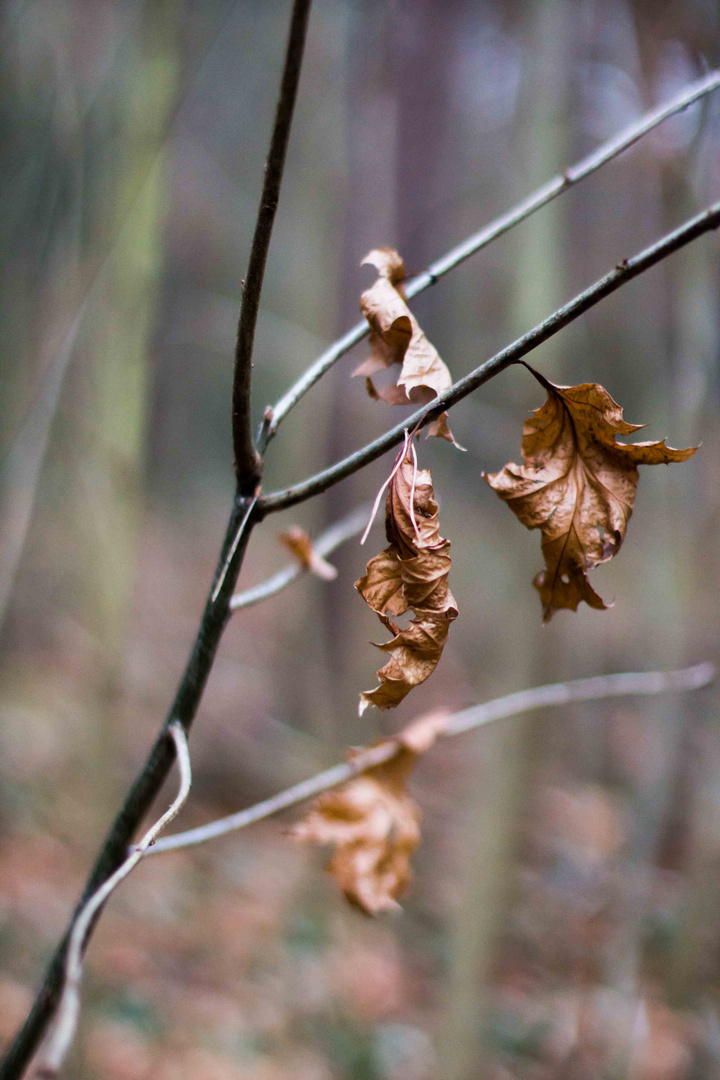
[[577, 485]]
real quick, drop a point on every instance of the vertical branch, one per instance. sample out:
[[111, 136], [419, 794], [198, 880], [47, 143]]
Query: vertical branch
[[248, 465], [217, 610]]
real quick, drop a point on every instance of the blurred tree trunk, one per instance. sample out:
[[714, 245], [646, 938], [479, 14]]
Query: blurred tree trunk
[[106, 407], [503, 759], [118, 341]]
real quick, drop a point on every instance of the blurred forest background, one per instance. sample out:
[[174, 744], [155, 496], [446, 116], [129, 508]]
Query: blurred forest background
[[563, 922]]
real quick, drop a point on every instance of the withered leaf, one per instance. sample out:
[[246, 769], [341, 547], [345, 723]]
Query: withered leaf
[[411, 574], [577, 485], [396, 338], [373, 823], [299, 543]]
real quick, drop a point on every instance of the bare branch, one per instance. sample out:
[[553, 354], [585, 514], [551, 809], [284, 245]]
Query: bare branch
[[626, 684], [344, 529], [626, 270], [539, 198], [143, 791], [248, 466], [603, 686], [233, 548], [61, 1034]]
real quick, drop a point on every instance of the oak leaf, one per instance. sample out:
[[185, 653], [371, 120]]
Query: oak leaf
[[411, 574], [396, 338], [299, 543], [577, 485], [373, 823]]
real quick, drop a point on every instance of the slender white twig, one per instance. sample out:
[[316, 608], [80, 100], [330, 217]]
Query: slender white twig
[[62, 1032], [233, 548], [626, 684], [603, 686], [412, 494], [539, 198], [378, 497], [328, 541]]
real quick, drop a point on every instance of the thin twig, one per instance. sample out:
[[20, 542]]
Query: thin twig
[[626, 684], [63, 1030], [383, 486], [539, 198], [233, 548], [344, 529], [603, 686], [626, 270], [248, 465]]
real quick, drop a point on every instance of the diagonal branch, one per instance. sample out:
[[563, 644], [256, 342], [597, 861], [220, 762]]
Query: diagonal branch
[[625, 271], [248, 465], [603, 686], [539, 198], [62, 1033], [143, 791], [344, 529]]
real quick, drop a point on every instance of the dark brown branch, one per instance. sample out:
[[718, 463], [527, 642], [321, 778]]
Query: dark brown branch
[[248, 465], [144, 790], [626, 270]]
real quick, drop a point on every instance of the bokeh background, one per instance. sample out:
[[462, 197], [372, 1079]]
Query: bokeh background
[[563, 920]]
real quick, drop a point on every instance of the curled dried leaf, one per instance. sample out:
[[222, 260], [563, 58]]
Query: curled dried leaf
[[411, 574], [396, 338], [372, 823], [577, 485], [299, 543]]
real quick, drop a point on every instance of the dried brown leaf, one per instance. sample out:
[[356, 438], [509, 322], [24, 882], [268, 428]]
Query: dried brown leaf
[[372, 823], [577, 485], [396, 338], [299, 543], [411, 574], [422, 733]]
